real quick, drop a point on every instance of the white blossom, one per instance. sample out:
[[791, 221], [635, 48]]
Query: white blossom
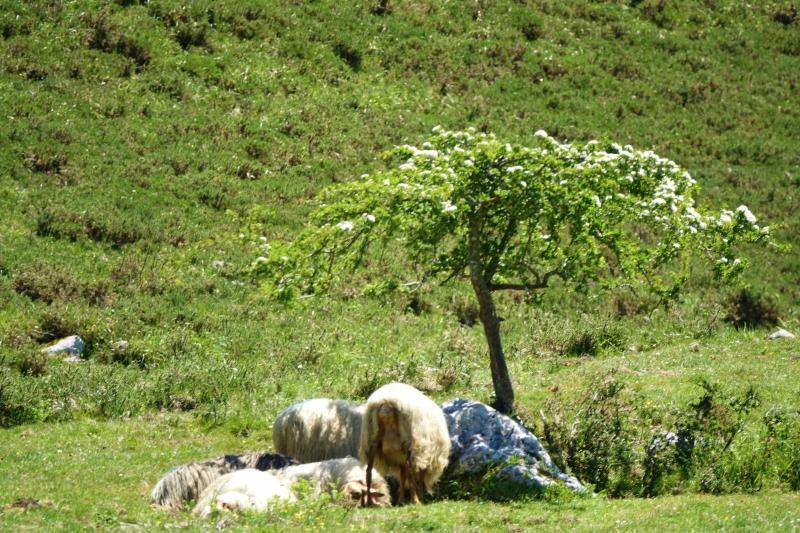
[[751, 218], [540, 133], [448, 207], [513, 169], [345, 225], [369, 217]]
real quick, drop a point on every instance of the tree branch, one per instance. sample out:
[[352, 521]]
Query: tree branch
[[491, 268], [541, 283], [458, 271]]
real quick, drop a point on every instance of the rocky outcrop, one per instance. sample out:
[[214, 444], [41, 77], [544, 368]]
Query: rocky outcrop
[[482, 437]]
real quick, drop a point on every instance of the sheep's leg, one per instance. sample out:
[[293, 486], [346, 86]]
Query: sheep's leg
[[370, 463], [412, 475], [414, 489], [401, 490]]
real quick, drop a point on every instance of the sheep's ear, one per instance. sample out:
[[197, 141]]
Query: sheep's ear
[[352, 488]]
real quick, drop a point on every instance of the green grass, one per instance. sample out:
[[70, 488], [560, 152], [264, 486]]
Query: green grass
[[144, 142], [98, 474]]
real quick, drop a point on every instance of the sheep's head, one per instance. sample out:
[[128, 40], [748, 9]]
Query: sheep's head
[[355, 492]]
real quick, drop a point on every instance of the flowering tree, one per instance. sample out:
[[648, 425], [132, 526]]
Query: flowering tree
[[515, 218]]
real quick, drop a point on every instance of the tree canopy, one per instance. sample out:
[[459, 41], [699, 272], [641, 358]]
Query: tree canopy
[[466, 205]]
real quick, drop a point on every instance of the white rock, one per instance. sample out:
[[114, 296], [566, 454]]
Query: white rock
[[72, 345], [74, 359], [481, 437], [780, 334]]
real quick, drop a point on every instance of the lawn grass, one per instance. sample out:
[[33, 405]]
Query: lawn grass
[[90, 474], [146, 148]]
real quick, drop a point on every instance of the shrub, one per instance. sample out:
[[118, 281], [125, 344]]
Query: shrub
[[191, 34], [13, 409], [747, 309], [107, 37], [45, 163], [528, 23], [349, 55], [49, 283], [33, 363], [595, 338], [595, 439], [99, 226], [599, 444]]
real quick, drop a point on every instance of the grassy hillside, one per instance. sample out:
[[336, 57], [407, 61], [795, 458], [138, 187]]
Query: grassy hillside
[[146, 147]]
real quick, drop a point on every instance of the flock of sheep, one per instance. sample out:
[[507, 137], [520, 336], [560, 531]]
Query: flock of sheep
[[398, 432]]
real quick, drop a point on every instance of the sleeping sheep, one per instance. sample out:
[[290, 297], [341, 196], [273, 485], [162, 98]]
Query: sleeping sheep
[[318, 429], [404, 433], [256, 490], [186, 482]]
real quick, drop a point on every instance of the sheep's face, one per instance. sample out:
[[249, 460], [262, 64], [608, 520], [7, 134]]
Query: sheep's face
[[355, 493]]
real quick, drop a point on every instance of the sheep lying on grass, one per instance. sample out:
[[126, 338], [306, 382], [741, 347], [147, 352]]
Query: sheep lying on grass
[[243, 490], [404, 433], [318, 429], [253, 489], [186, 482]]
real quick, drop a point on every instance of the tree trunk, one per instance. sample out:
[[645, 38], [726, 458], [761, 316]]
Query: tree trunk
[[503, 390]]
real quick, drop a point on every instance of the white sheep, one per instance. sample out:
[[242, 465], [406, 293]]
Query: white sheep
[[253, 489], [186, 482], [404, 433], [318, 429], [247, 489]]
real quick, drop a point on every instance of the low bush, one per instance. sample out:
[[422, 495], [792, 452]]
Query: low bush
[[102, 226], [748, 309], [711, 445], [50, 282]]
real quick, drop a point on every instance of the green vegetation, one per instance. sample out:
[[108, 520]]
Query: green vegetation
[[147, 147], [509, 217]]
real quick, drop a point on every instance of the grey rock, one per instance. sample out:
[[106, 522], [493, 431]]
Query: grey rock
[[780, 334], [661, 442], [480, 437], [120, 346], [72, 345]]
